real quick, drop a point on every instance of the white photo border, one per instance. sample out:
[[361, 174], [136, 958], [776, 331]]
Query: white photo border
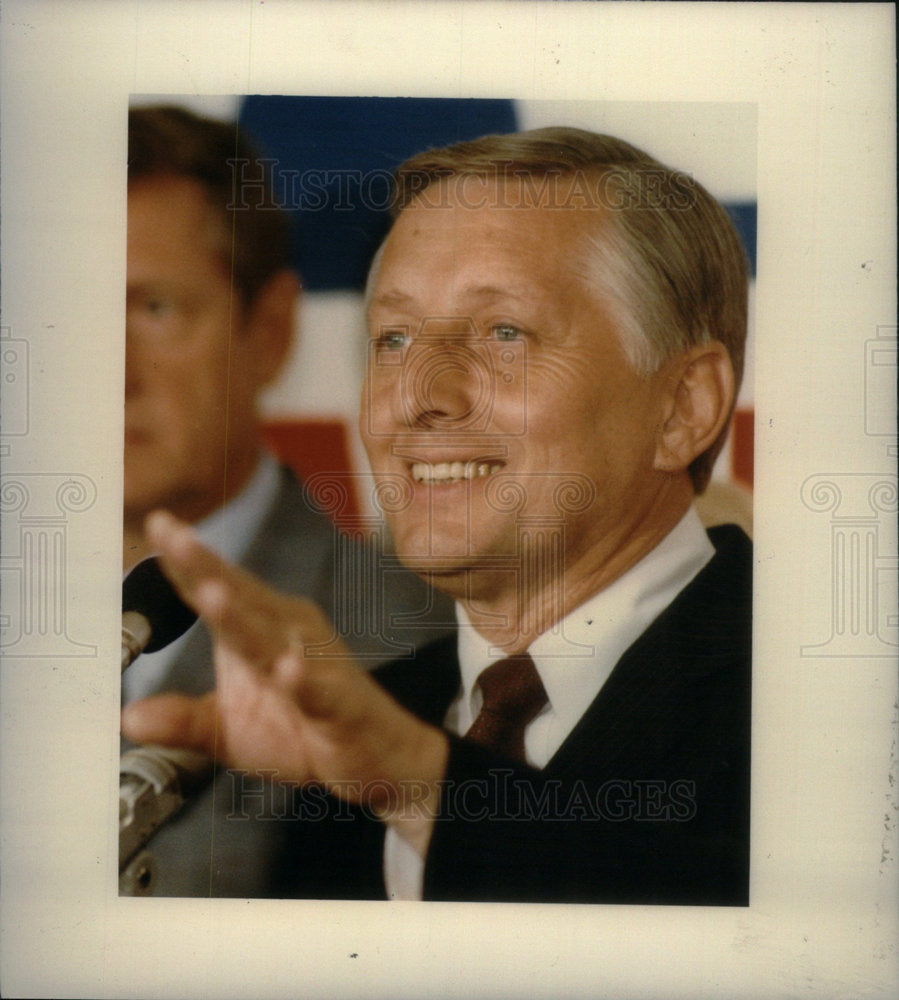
[[822, 920]]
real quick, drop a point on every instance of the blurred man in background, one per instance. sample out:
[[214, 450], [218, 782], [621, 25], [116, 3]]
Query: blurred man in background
[[211, 302]]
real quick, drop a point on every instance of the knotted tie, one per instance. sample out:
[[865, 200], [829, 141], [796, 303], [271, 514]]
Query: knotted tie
[[513, 695]]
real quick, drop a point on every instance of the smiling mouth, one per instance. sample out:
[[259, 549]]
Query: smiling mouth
[[442, 473]]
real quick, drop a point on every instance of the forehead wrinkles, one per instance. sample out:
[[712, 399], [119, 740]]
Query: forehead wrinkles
[[483, 248]]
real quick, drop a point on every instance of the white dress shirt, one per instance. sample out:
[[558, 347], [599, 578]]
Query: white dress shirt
[[574, 660], [229, 531]]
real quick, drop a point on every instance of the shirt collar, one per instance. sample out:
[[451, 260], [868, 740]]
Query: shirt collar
[[230, 529], [576, 656]]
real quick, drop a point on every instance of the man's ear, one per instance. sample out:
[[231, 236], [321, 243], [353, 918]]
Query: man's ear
[[270, 324], [698, 398]]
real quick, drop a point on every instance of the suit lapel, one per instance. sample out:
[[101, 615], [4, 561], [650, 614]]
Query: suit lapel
[[643, 698], [427, 683], [650, 699]]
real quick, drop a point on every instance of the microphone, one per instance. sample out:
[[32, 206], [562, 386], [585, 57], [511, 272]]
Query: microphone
[[153, 615], [154, 782]]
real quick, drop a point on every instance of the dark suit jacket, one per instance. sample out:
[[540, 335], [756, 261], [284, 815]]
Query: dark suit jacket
[[225, 841], [646, 801]]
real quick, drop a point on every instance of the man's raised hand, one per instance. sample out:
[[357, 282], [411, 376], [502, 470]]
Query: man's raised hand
[[289, 698]]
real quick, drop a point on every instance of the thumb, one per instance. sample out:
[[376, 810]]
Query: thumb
[[173, 720]]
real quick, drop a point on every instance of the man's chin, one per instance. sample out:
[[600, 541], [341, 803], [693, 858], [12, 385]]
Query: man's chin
[[135, 513], [451, 571], [139, 502]]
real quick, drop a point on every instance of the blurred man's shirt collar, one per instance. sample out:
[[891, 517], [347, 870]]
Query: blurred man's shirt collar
[[229, 531]]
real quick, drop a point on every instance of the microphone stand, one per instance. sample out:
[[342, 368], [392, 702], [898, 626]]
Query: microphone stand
[[154, 783]]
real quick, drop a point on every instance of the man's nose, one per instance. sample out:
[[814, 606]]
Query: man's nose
[[447, 382]]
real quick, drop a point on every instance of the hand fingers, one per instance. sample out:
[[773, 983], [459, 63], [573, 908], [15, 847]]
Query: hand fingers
[[334, 692], [253, 620], [363, 746], [173, 720], [204, 580]]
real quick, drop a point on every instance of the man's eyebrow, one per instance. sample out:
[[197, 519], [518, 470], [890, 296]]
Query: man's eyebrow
[[392, 298]]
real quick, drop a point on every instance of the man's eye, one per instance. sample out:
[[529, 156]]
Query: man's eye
[[159, 307], [505, 332], [393, 340]]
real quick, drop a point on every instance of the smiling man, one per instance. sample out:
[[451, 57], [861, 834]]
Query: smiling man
[[557, 329]]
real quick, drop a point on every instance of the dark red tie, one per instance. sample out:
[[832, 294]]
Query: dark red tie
[[513, 695]]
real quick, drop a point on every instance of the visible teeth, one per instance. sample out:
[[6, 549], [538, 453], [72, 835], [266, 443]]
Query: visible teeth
[[451, 472]]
